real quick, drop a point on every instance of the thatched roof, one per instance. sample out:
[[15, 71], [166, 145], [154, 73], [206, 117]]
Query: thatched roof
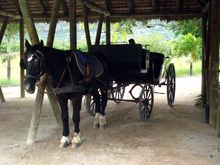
[[117, 9]]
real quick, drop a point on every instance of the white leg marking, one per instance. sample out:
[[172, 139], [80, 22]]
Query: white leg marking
[[102, 121], [76, 140], [64, 141], [96, 122]]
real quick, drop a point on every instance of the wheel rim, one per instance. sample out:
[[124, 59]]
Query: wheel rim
[[171, 85], [146, 102]]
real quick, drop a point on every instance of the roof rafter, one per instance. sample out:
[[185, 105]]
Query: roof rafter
[[65, 8], [178, 5], [40, 5], [95, 7], [17, 5], [154, 5], [130, 6]]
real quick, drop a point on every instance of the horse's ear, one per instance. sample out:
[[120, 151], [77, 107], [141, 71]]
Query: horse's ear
[[27, 44], [41, 43]]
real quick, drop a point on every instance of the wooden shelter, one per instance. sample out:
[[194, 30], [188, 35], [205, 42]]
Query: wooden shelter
[[30, 11]]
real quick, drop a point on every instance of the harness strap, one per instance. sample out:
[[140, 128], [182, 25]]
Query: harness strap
[[33, 77], [68, 59]]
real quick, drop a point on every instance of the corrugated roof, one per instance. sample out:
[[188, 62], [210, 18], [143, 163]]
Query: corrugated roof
[[119, 9]]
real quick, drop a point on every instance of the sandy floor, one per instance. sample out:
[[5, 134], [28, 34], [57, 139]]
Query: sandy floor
[[171, 136]]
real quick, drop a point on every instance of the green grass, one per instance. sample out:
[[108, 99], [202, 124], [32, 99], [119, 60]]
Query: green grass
[[181, 66]]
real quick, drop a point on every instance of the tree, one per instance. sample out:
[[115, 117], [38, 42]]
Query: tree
[[9, 46], [184, 27], [189, 46]]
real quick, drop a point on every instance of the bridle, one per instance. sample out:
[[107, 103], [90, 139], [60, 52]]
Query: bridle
[[39, 55]]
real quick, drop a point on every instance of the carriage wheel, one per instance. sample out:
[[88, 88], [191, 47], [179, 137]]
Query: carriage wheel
[[118, 92], [90, 104], [146, 100], [171, 84]]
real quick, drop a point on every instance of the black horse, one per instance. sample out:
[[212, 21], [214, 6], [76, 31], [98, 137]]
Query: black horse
[[69, 82]]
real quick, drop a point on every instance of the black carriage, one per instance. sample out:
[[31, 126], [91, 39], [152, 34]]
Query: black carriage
[[131, 64]]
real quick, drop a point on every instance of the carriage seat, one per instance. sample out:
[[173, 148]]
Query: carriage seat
[[123, 57]]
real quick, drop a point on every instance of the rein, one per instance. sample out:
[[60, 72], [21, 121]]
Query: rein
[[68, 59]]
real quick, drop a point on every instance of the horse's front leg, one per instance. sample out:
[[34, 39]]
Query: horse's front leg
[[76, 102], [64, 142]]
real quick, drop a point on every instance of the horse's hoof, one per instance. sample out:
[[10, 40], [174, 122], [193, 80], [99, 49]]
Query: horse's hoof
[[103, 126], [64, 142], [63, 145], [75, 145], [76, 140], [96, 126]]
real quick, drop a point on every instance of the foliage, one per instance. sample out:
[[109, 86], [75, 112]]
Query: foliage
[[184, 27], [9, 44], [188, 45]]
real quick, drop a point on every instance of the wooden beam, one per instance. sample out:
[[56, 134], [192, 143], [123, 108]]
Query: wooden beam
[[73, 24], [40, 6], [53, 23], [50, 39], [36, 111], [108, 30], [214, 41], [158, 14], [204, 70], [131, 6], [3, 28], [8, 14], [1, 95], [22, 92], [17, 5], [99, 30], [28, 19], [95, 7], [65, 8], [154, 5], [86, 26]]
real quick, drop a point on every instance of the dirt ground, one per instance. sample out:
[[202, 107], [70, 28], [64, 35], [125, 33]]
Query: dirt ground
[[172, 136]]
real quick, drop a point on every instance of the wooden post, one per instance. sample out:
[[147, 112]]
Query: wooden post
[[3, 28], [2, 32], [99, 30], [50, 39], [108, 31], [214, 60], [22, 92], [53, 23], [29, 21], [73, 24], [86, 26], [35, 119], [204, 77], [2, 98]]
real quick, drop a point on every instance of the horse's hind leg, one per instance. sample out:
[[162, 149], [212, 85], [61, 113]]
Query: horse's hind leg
[[96, 98], [102, 120], [65, 120], [76, 101]]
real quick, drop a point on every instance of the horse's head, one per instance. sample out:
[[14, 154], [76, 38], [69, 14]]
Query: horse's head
[[32, 61]]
